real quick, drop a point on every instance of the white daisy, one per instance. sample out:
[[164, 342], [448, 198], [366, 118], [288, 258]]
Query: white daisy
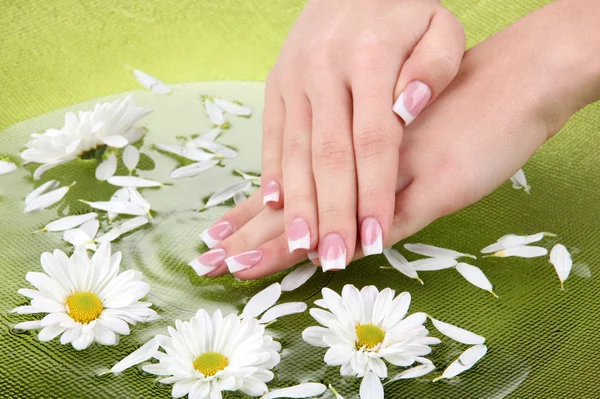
[[85, 299], [109, 124], [207, 355], [361, 329]]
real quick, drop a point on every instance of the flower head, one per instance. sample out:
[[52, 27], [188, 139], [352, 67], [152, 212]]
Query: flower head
[[109, 124], [362, 328], [85, 300]]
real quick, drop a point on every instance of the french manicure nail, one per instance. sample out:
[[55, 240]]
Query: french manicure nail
[[217, 233], [208, 261], [332, 253], [271, 192], [412, 101], [244, 261], [371, 237], [298, 235]]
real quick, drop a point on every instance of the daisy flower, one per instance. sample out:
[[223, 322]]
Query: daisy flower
[[364, 328], [85, 300], [108, 125], [207, 355]]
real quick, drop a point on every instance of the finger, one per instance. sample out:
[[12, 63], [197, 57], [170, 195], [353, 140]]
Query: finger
[[377, 134], [272, 145], [431, 67], [300, 209], [334, 171], [232, 220]]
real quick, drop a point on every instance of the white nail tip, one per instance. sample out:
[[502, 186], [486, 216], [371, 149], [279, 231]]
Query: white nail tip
[[199, 268], [373, 249], [273, 197], [338, 263], [301, 243], [401, 110], [235, 266], [208, 240]]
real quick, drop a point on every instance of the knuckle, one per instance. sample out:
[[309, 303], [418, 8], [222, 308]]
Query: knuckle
[[371, 142], [331, 211], [440, 64], [370, 57], [331, 153]]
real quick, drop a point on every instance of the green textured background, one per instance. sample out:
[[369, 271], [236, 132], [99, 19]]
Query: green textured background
[[543, 342]]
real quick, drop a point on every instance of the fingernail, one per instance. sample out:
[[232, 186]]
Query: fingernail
[[313, 256], [298, 235], [208, 261], [217, 233], [412, 101], [371, 237], [244, 261], [332, 253], [271, 192]]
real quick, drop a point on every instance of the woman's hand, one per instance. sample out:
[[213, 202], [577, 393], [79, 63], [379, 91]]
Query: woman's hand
[[331, 140]]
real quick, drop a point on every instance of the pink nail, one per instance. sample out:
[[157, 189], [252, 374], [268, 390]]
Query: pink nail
[[244, 261], [412, 101], [209, 261], [271, 192], [332, 253], [298, 235], [371, 237], [217, 233]]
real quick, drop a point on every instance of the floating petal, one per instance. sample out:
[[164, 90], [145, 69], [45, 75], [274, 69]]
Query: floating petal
[[107, 168], [431, 264], [121, 195], [475, 276], [150, 82], [143, 353], [7, 167], [193, 169], [238, 198], [524, 251], [513, 240], [562, 262], [298, 277], [414, 372], [370, 387], [215, 113], [124, 228], [211, 135], [69, 222], [216, 148], [436, 252], [190, 153], [131, 157], [458, 334], [47, 199], [519, 181], [284, 309], [262, 301], [49, 185], [132, 181], [126, 208], [221, 196], [465, 361], [400, 263]]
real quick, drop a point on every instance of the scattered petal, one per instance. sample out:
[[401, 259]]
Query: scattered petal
[[107, 168], [519, 181], [298, 277], [238, 198], [131, 157], [143, 353], [150, 82], [562, 261], [400, 263], [7, 167], [211, 135], [431, 264], [193, 169], [370, 387], [513, 240], [132, 181], [215, 113], [125, 208], [69, 222], [121, 195], [465, 361], [414, 372], [114, 141], [221, 196], [216, 148], [49, 185], [306, 390], [136, 198], [254, 179], [524, 251], [47, 199], [475, 276], [124, 228], [190, 153], [284, 309], [436, 252], [232, 107], [458, 334], [262, 301]]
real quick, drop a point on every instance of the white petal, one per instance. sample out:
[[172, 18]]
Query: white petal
[[69, 222], [150, 82], [400, 263], [114, 140], [519, 181], [283, 309], [465, 361], [562, 262], [48, 199], [37, 175], [76, 237], [193, 154], [29, 325], [126, 208], [221, 196], [238, 198], [215, 113], [314, 336], [458, 334], [107, 168], [436, 252], [132, 181], [216, 148], [211, 135], [262, 301], [524, 251], [7, 167], [121, 195], [513, 240], [136, 198], [131, 157], [246, 176], [49, 185], [193, 169], [143, 353], [124, 228], [414, 372], [370, 387], [475, 276], [90, 228], [298, 277], [431, 264], [306, 390], [233, 108]]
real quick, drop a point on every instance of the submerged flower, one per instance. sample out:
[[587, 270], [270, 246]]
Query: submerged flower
[[85, 299], [207, 355], [109, 124], [362, 328]]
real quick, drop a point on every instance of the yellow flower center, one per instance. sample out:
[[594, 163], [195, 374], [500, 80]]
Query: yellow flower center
[[369, 336], [84, 306], [210, 363]]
